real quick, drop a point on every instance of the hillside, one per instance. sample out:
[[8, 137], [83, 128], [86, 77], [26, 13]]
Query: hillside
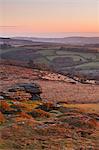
[[49, 96], [65, 59], [43, 110], [63, 87], [15, 42], [76, 40]]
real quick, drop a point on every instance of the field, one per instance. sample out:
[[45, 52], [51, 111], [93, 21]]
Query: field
[[44, 105], [64, 59]]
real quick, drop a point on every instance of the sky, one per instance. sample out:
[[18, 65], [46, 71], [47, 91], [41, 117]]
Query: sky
[[46, 17]]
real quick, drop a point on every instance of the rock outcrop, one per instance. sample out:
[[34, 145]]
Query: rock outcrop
[[23, 91]]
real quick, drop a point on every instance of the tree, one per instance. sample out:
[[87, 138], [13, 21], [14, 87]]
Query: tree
[[31, 63], [5, 46]]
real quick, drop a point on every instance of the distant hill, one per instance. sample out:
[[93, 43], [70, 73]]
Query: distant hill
[[66, 40], [16, 42]]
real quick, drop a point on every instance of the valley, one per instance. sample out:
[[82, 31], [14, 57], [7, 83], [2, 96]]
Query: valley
[[49, 96]]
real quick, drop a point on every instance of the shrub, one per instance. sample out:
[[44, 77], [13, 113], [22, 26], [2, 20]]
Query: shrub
[[4, 106], [26, 106], [5, 46], [39, 113], [23, 117], [47, 106], [2, 118]]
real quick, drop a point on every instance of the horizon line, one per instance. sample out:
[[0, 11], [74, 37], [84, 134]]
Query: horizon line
[[51, 34]]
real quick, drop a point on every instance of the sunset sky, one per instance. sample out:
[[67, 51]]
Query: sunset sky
[[35, 17]]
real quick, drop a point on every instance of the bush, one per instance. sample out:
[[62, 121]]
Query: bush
[[47, 106], [5, 46], [2, 118], [39, 113], [23, 117], [26, 106], [4, 106]]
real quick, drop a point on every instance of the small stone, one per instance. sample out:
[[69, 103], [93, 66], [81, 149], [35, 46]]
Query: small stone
[[1, 98]]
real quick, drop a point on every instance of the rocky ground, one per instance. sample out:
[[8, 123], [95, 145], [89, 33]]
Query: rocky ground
[[55, 87], [41, 110]]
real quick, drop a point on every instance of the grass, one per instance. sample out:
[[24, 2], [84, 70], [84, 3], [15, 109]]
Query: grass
[[91, 65], [48, 131], [41, 60], [74, 57], [90, 108], [84, 55], [47, 52]]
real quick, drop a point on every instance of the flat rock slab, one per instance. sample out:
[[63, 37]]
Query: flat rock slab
[[32, 88], [22, 91]]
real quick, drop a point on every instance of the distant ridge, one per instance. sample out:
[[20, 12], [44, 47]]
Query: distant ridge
[[65, 40], [14, 41]]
